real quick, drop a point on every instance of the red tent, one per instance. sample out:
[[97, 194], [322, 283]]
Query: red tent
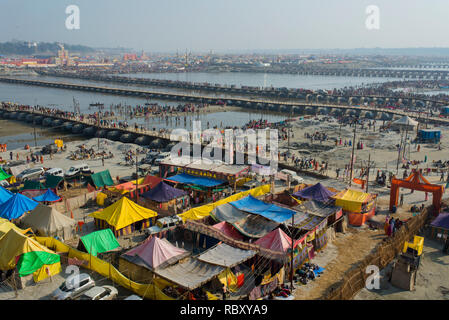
[[228, 230], [277, 240]]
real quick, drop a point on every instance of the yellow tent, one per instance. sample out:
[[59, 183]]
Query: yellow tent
[[28, 255], [351, 200], [123, 213], [5, 226]]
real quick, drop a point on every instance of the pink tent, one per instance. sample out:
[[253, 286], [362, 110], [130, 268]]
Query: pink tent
[[276, 240], [228, 230], [156, 253]]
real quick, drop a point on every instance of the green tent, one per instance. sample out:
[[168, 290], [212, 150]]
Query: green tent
[[52, 182], [4, 175], [34, 260], [98, 242], [33, 185], [101, 179]]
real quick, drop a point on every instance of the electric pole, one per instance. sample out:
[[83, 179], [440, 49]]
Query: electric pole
[[352, 155], [137, 180]]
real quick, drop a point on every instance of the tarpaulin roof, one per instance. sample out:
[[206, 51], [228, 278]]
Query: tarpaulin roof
[[48, 196], [190, 274], [33, 185], [100, 241], [351, 200], [123, 213], [276, 240], [163, 193], [229, 230], [317, 208], [199, 181], [15, 170], [14, 244], [101, 179], [16, 206], [4, 175], [5, 195], [406, 120], [253, 226], [6, 225], [155, 253], [316, 192], [152, 181], [47, 220], [226, 256], [53, 181], [267, 210], [305, 221], [442, 221]]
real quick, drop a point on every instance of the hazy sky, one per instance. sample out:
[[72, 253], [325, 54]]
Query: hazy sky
[[203, 25]]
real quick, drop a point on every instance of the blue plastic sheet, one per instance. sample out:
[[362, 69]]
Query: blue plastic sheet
[[267, 210], [199, 181]]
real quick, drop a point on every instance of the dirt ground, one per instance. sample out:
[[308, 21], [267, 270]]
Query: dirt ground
[[338, 257], [432, 282]]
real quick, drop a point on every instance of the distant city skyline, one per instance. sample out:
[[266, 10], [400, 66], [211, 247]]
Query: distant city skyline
[[229, 26]]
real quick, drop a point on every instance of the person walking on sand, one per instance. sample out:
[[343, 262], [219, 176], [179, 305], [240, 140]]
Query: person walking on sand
[[402, 200], [42, 159], [387, 225], [10, 155], [17, 156]]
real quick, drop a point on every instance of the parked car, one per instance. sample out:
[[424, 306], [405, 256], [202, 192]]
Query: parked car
[[29, 174], [162, 156], [294, 178], [99, 293], [49, 148], [4, 183], [54, 172], [65, 292], [133, 297], [77, 169], [150, 157]]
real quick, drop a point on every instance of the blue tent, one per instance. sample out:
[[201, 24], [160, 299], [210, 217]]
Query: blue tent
[[267, 210], [316, 192], [48, 196], [16, 206], [5, 195], [196, 180], [163, 193]]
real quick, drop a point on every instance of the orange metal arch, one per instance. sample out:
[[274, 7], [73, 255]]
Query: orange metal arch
[[416, 182]]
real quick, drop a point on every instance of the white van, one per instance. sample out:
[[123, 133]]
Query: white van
[[54, 172], [77, 169], [294, 178]]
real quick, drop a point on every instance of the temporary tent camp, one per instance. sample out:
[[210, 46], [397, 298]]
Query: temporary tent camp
[[358, 205], [47, 221], [48, 196], [229, 230], [16, 206], [101, 179], [267, 210], [196, 180], [166, 199], [250, 225], [276, 240], [5, 226], [98, 242], [139, 263], [33, 257], [226, 256], [404, 123], [124, 216], [316, 192], [155, 253], [5, 195]]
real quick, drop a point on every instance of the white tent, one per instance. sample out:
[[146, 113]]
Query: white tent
[[47, 221], [404, 123]]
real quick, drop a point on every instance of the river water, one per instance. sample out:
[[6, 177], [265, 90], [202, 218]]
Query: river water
[[63, 99]]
